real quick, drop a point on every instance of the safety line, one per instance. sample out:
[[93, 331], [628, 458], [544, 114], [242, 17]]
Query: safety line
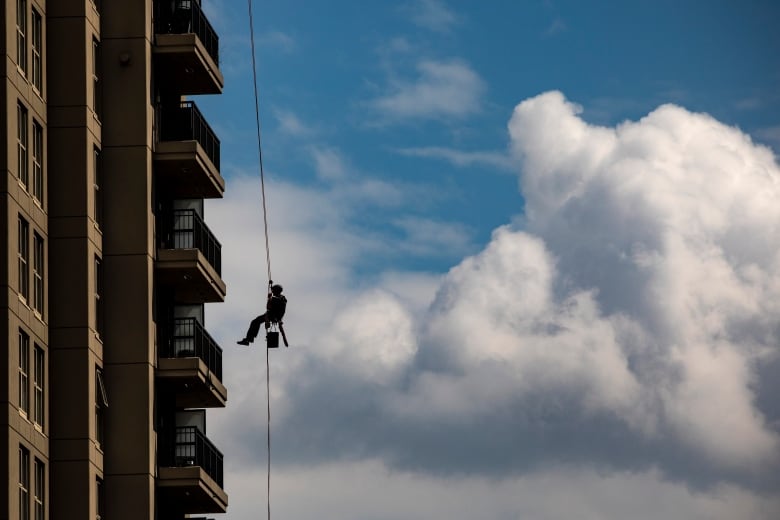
[[267, 246], [259, 140], [268, 431]]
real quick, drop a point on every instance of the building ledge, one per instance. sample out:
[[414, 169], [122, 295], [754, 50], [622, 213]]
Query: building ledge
[[195, 385], [192, 277], [182, 60], [186, 170], [193, 489]]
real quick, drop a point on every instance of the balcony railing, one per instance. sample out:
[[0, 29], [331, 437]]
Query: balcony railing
[[189, 447], [186, 230], [184, 17], [184, 122], [188, 338]]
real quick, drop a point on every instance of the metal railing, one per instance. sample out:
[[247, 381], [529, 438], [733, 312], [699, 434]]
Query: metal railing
[[188, 338], [184, 122], [185, 17], [189, 447], [185, 229]]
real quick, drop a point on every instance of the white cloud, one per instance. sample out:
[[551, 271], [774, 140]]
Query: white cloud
[[291, 124], [329, 164], [352, 491], [615, 350], [432, 238], [434, 15], [441, 90], [462, 158]]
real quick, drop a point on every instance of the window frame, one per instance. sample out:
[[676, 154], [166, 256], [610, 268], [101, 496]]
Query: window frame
[[38, 275], [99, 311], [101, 403], [37, 162], [39, 387], [97, 182], [21, 36], [97, 98], [39, 491], [24, 483], [22, 144], [23, 254], [99, 499], [23, 370], [37, 50]]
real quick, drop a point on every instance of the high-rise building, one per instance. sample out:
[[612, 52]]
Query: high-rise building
[[109, 261]]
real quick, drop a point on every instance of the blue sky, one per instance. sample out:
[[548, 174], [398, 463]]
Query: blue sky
[[531, 248]]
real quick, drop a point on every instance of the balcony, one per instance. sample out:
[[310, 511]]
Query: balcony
[[190, 258], [190, 472], [191, 361], [186, 157], [186, 49]]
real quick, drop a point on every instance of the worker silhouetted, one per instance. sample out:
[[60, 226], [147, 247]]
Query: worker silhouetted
[[274, 312]]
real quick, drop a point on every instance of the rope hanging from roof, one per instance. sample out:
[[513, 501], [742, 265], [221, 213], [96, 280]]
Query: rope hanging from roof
[[267, 249]]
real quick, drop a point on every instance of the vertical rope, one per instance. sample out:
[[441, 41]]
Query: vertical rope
[[268, 431], [259, 141], [267, 246]]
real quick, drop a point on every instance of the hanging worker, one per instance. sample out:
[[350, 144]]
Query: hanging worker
[[274, 312]]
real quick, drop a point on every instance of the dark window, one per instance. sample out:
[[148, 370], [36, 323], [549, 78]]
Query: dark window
[[38, 273], [24, 483], [24, 372], [39, 384], [21, 35], [101, 403], [24, 259], [39, 493], [21, 144], [37, 51], [99, 296], [100, 499], [97, 166], [97, 101], [37, 157]]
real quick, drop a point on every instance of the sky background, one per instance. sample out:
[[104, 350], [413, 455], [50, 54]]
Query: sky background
[[532, 255]]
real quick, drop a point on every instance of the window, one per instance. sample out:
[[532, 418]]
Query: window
[[97, 105], [21, 144], [21, 35], [98, 296], [38, 273], [37, 51], [39, 493], [101, 403], [24, 259], [24, 373], [100, 500], [37, 156], [39, 383], [24, 483], [97, 166]]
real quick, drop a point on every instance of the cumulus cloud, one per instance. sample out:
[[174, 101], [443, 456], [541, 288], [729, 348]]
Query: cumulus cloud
[[367, 490], [442, 89], [627, 324]]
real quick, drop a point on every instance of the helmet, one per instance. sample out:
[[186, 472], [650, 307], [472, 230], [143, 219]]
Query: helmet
[[276, 289]]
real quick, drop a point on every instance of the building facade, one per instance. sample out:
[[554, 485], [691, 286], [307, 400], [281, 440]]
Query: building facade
[[109, 261]]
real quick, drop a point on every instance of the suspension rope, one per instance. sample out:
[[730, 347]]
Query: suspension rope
[[268, 431], [267, 247], [259, 140]]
